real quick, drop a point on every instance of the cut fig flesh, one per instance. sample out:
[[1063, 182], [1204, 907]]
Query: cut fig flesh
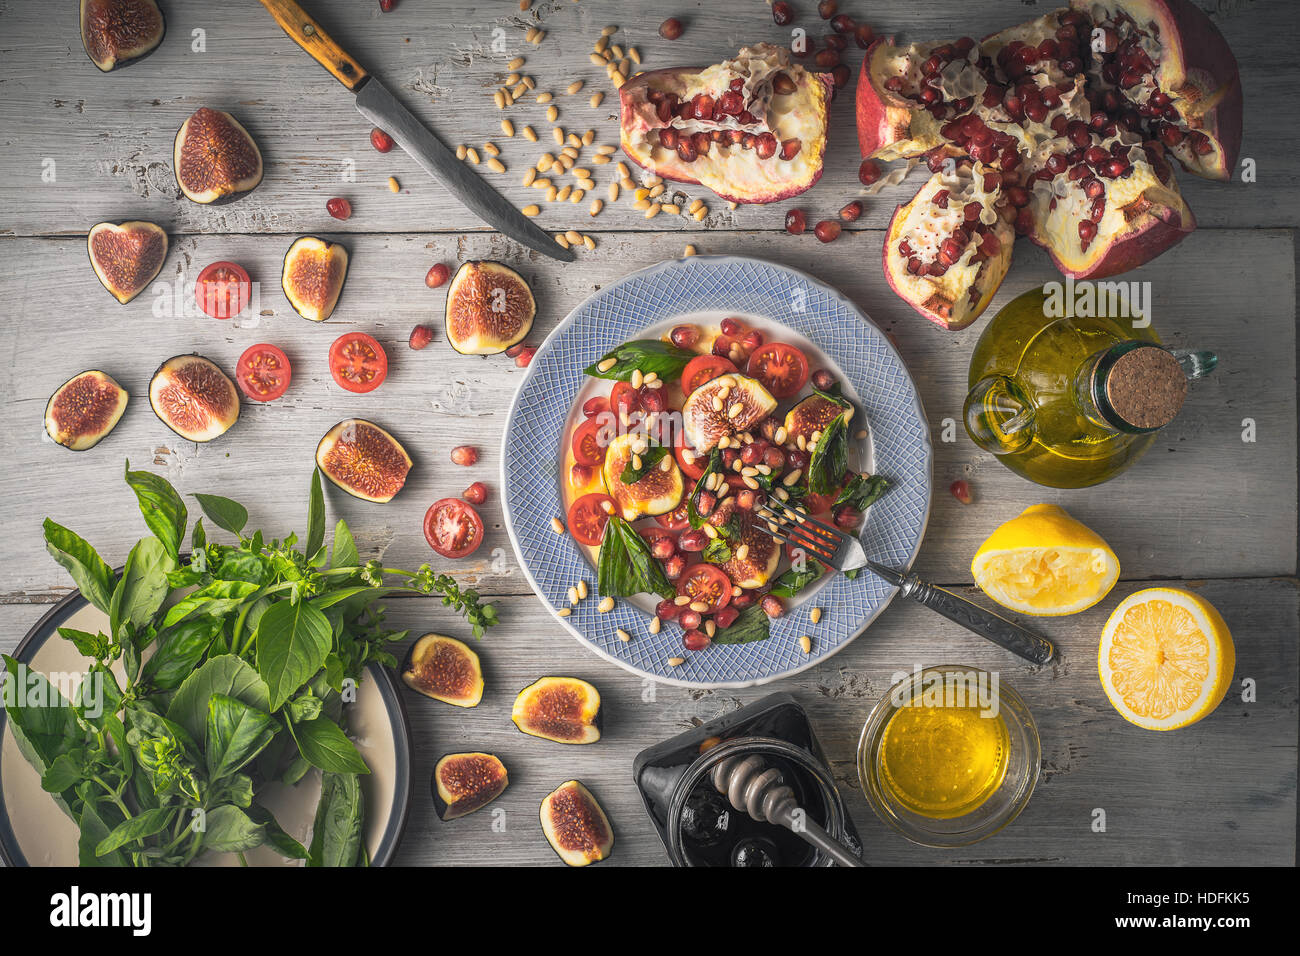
[[363, 460], [463, 783], [127, 256], [444, 669], [489, 308], [656, 492], [84, 410], [214, 157], [563, 709], [194, 398], [315, 271], [753, 129], [762, 554], [813, 414], [575, 825], [727, 405], [116, 32]]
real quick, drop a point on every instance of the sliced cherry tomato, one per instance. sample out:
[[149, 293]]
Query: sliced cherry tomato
[[587, 447], [780, 368], [623, 398], [588, 517], [263, 372], [818, 504], [358, 363], [676, 519], [223, 290], [707, 583], [453, 528], [594, 406], [693, 467], [704, 368]]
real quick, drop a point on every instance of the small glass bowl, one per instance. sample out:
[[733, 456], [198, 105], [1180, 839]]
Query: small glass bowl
[[1001, 807]]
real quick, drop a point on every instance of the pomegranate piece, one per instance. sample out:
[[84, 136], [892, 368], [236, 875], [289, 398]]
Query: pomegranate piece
[[671, 29], [725, 617], [795, 222], [843, 23], [464, 455], [525, 356], [782, 13], [695, 640], [387, 5], [690, 619], [863, 35], [339, 208], [674, 567], [772, 605], [851, 212], [828, 230], [381, 140], [827, 8], [437, 275], [421, 336], [476, 493], [869, 172], [667, 610], [685, 336], [731, 326], [960, 490]]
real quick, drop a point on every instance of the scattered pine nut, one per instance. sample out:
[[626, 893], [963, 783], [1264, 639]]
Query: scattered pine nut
[[491, 149], [531, 34], [507, 127], [655, 624], [609, 31], [710, 627], [815, 615], [581, 173], [461, 151], [588, 137], [530, 211], [530, 176], [690, 250], [541, 183], [512, 79], [597, 59], [596, 207], [556, 524], [613, 192], [697, 204], [634, 55], [472, 155], [530, 134], [561, 241], [699, 607], [619, 80], [551, 193], [564, 611], [617, 51], [544, 98], [575, 237], [627, 183], [564, 193], [557, 133], [582, 589], [496, 165], [552, 114], [599, 160], [538, 36], [656, 190], [699, 214], [589, 242], [641, 204], [515, 64], [518, 90], [623, 170], [607, 364], [606, 605], [571, 151], [500, 99], [393, 185], [574, 87], [670, 208], [545, 162], [574, 140], [805, 644], [623, 635], [596, 99], [676, 661], [605, 149], [529, 83], [642, 193], [624, 68], [573, 595], [577, 195]]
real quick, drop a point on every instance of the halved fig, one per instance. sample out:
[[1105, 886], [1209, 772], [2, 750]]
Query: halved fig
[[445, 669], [563, 709], [753, 129], [315, 271], [127, 256], [763, 552], [214, 158], [463, 783], [364, 460], [84, 409], [117, 32], [947, 251], [194, 398], [489, 308], [575, 825], [727, 405], [812, 414], [657, 492]]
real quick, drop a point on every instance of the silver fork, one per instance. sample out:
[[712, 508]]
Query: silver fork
[[844, 552]]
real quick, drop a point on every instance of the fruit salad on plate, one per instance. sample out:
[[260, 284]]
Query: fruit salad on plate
[[664, 470]]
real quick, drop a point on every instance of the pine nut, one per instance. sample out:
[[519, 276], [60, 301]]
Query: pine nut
[[393, 185], [590, 243], [596, 207], [627, 183], [619, 80], [529, 176], [589, 137], [564, 611], [530, 134], [500, 99], [544, 97], [699, 214], [564, 193], [623, 635], [815, 615], [634, 55], [780, 436], [529, 83], [515, 64], [676, 661], [609, 31], [541, 183], [750, 483], [573, 595], [801, 442], [655, 624], [742, 552], [689, 251], [581, 173], [641, 204], [696, 205], [711, 531], [596, 99], [815, 436], [805, 644], [531, 34], [681, 600], [724, 441], [642, 193], [556, 524], [461, 152], [599, 160], [601, 43], [557, 134], [496, 165], [735, 410], [538, 37], [699, 607], [717, 403], [790, 479], [561, 241], [582, 589], [617, 50], [710, 627], [472, 155], [623, 170], [607, 364], [606, 605], [652, 211], [574, 87], [512, 79], [637, 378], [656, 191], [531, 210], [551, 193]]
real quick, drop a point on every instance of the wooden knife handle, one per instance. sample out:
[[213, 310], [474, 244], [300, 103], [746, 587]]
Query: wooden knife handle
[[306, 32]]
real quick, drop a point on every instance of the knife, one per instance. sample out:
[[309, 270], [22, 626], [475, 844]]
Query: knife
[[375, 103]]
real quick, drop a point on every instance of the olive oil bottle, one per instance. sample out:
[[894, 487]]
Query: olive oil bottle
[[1072, 401]]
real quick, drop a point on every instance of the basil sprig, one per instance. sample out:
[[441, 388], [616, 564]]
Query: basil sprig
[[644, 355], [830, 459], [625, 565], [649, 460], [795, 580], [862, 491]]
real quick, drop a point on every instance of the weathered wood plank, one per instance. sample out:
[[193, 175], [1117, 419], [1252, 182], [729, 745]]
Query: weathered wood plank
[[1219, 793], [1202, 504], [111, 136]]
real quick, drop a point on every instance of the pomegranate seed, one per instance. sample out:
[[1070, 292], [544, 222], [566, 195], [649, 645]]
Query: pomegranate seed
[[851, 211], [1095, 155], [823, 379], [841, 75], [726, 617], [525, 356], [827, 59], [694, 640], [686, 151], [1057, 163], [1093, 188], [869, 172], [782, 85], [464, 455], [695, 539], [765, 146], [667, 610], [961, 491], [652, 399], [752, 341], [843, 23], [702, 106], [476, 493], [668, 137], [1201, 144], [828, 230], [339, 208], [1115, 168], [1171, 135], [674, 567], [595, 406], [671, 29], [772, 605], [1087, 230], [827, 9], [421, 336], [730, 103], [684, 336], [790, 148], [663, 548], [1036, 110], [437, 275], [1024, 222], [863, 34], [702, 142], [581, 475], [387, 5], [1098, 209], [797, 459], [847, 517], [894, 84], [990, 245], [782, 14], [940, 199], [746, 499], [731, 326], [774, 458], [381, 140]]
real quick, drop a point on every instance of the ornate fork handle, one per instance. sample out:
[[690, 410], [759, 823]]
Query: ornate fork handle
[[1008, 634]]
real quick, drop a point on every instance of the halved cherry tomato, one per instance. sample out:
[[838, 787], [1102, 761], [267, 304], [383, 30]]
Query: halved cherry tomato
[[623, 398], [704, 368], [358, 362], [263, 372], [676, 519], [223, 289], [587, 447], [817, 504], [453, 528], [596, 405], [780, 368], [693, 467], [707, 583], [588, 517]]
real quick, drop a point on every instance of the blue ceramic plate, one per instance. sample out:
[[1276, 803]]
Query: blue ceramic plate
[[787, 305]]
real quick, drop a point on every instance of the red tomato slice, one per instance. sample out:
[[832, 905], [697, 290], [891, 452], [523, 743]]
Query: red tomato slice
[[623, 398], [676, 519], [453, 528], [652, 535], [707, 583], [587, 447], [358, 363], [263, 372], [223, 289], [704, 368], [693, 468], [588, 517], [818, 504], [780, 368]]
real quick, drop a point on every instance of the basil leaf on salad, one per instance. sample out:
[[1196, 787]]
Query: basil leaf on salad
[[862, 491], [830, 459], [649, 460], [795, 580], [645, 356], [692, 511], [717, 551], [752, 625], [625, 565]]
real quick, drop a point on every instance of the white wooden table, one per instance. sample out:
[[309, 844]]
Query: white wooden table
[[1204, 510]]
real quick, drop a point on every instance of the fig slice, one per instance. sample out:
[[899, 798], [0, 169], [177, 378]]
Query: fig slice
[[489, 308], [315, 271], [364, 460], [463, 783], [117, 32], [194, 398], [214, 158], [657, 492], [575, 825], [445, 669], [812, 414], [84, 410], [727, 405], [126, 256], [753, 129], [563, 709], [762, 554]]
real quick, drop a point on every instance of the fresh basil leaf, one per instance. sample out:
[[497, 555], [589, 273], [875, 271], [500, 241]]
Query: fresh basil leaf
[[653, 455], [164, 511], [236, 733], [306, 707], [692, 503], [862, 491], [645, 355], [752, 625], [93, 577], [324, 745], [794, 580], [94, 830], [315, 518], [63, 772], [97, 646], [226, 513], [292, 642], [139, 827], [143, 586], [242, 566], [228, 829], [625, 565], [717, 551], [830, 459], [212, 600], [832, 394], [276, 838], [344, 553], [852, 574], [225, 674], [198, 546], [336, 833]]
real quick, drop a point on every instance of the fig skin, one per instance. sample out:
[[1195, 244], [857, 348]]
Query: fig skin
[[563, 709], [471, 317], [84, 409], [126, 256], [444, 669], [703, 425], [121, 32], [657, 492], [176, 380], [338, 451], [329, 271], [465, 782], [575, 825], [222, 184]]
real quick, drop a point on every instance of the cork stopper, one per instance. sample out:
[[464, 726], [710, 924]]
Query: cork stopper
[[1146, 387]]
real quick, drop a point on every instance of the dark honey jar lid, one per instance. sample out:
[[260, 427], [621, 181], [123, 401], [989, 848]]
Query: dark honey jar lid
[[1144, 387]]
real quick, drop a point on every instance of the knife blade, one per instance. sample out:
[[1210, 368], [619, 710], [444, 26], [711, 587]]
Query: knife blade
[[377, 104]]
